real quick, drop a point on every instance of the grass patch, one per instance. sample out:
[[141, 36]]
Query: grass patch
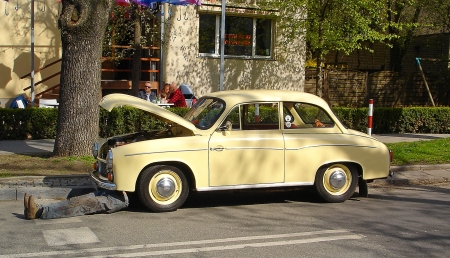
[[43, 165], [421, 152]]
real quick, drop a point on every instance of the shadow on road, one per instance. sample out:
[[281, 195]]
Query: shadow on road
[[416, 200], [240, 198], [30, 147]]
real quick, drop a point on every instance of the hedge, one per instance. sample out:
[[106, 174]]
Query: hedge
[[40, 123], [397, 120]]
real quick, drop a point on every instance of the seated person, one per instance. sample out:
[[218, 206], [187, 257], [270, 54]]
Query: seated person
[[147, 94], [164, 93], [176, 96]]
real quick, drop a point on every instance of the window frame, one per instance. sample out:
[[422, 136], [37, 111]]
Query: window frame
[[216, 53]]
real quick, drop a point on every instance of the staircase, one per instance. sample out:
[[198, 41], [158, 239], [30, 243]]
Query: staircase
[[50, 93]]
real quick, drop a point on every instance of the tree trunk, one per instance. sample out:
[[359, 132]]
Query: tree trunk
[[319, 74], [397, 52], [319, 60], [136, 68], [400, 46], [82, 24]]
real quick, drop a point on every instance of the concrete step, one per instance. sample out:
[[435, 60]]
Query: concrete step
[[49, 95]]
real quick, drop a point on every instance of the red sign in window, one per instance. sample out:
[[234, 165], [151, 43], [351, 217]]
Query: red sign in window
[[238, 39]]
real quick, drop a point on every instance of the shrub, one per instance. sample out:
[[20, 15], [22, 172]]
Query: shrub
[[40, 123], [397, 120]]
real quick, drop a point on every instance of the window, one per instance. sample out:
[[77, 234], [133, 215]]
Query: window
[[244, 36], [204, 114], [303, 115], [313, 115]]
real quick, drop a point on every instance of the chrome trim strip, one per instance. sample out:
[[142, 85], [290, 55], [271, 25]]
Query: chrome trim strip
[[102, 183], [253, 148], [236, 187], [154, 152], [329, 145]]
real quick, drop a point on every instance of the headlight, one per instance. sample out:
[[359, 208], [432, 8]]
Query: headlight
[[109, 161], [95, 150]]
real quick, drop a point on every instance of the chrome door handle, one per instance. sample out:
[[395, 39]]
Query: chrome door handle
[[217, 148]]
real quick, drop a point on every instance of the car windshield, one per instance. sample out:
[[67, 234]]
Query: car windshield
[[205, 112]]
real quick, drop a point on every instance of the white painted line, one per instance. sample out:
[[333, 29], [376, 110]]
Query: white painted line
[[57, 221], [70, 236], [234, 247], [172, 244]]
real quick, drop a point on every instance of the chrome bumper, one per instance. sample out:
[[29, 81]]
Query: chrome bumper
[[105, 184]]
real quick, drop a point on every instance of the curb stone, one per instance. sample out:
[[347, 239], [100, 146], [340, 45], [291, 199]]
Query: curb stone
[[405, 182], [420, 167], [44, 187], [46, 181]]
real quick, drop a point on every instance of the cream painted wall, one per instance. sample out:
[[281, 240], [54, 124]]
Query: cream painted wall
[[183, 65], [15, 50]]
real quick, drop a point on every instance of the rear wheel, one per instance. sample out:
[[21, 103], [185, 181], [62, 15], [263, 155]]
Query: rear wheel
[[163, 188], [336, 182]]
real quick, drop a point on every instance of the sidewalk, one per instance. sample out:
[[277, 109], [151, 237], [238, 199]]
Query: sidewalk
[[60, 187]]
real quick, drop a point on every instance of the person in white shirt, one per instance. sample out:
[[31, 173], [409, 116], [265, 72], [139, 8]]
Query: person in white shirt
[[147, 94]]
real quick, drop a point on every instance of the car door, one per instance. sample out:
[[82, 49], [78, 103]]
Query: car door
[[311, 140], [251, 150]]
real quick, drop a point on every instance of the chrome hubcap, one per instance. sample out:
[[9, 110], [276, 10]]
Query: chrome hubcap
[[165, 187], [338, 179]]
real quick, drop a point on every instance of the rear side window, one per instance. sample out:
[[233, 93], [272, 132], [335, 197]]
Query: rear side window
[[313, 115]]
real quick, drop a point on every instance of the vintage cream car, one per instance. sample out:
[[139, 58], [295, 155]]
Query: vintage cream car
[[240, 139]]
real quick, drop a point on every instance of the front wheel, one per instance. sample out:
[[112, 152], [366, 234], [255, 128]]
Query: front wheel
[[336, 182], [163, 188]]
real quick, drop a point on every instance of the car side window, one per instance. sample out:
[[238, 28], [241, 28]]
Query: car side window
[[206, 113], [233, 118], [313, 115], [260, 116]]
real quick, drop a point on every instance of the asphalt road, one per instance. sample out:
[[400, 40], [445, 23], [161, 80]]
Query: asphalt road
[[392, 222]]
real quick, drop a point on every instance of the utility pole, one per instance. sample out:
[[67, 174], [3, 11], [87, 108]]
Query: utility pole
[[32, 52], [222, 47]]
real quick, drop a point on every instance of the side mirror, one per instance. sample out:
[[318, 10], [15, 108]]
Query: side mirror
[[226, 127]]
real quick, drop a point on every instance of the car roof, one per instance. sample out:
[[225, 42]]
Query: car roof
[[239, 96]]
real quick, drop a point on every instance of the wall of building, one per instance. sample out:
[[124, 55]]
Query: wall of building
[[182, 63], [15, 50]]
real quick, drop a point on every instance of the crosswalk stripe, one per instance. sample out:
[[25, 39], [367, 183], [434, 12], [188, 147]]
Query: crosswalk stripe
[[233, 247], [342, 234], [70, 236]]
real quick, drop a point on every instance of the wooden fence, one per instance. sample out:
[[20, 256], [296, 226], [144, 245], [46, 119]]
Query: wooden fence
[[353, 88]]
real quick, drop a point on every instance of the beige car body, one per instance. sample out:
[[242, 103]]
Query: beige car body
[[217, 159]]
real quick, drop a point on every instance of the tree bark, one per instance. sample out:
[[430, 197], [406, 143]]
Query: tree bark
[[324, 5], [319, 60], [400, 45], [82, 24], [319, 73]]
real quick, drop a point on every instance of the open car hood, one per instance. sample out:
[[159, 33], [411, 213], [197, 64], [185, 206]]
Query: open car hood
[[115, 100]]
